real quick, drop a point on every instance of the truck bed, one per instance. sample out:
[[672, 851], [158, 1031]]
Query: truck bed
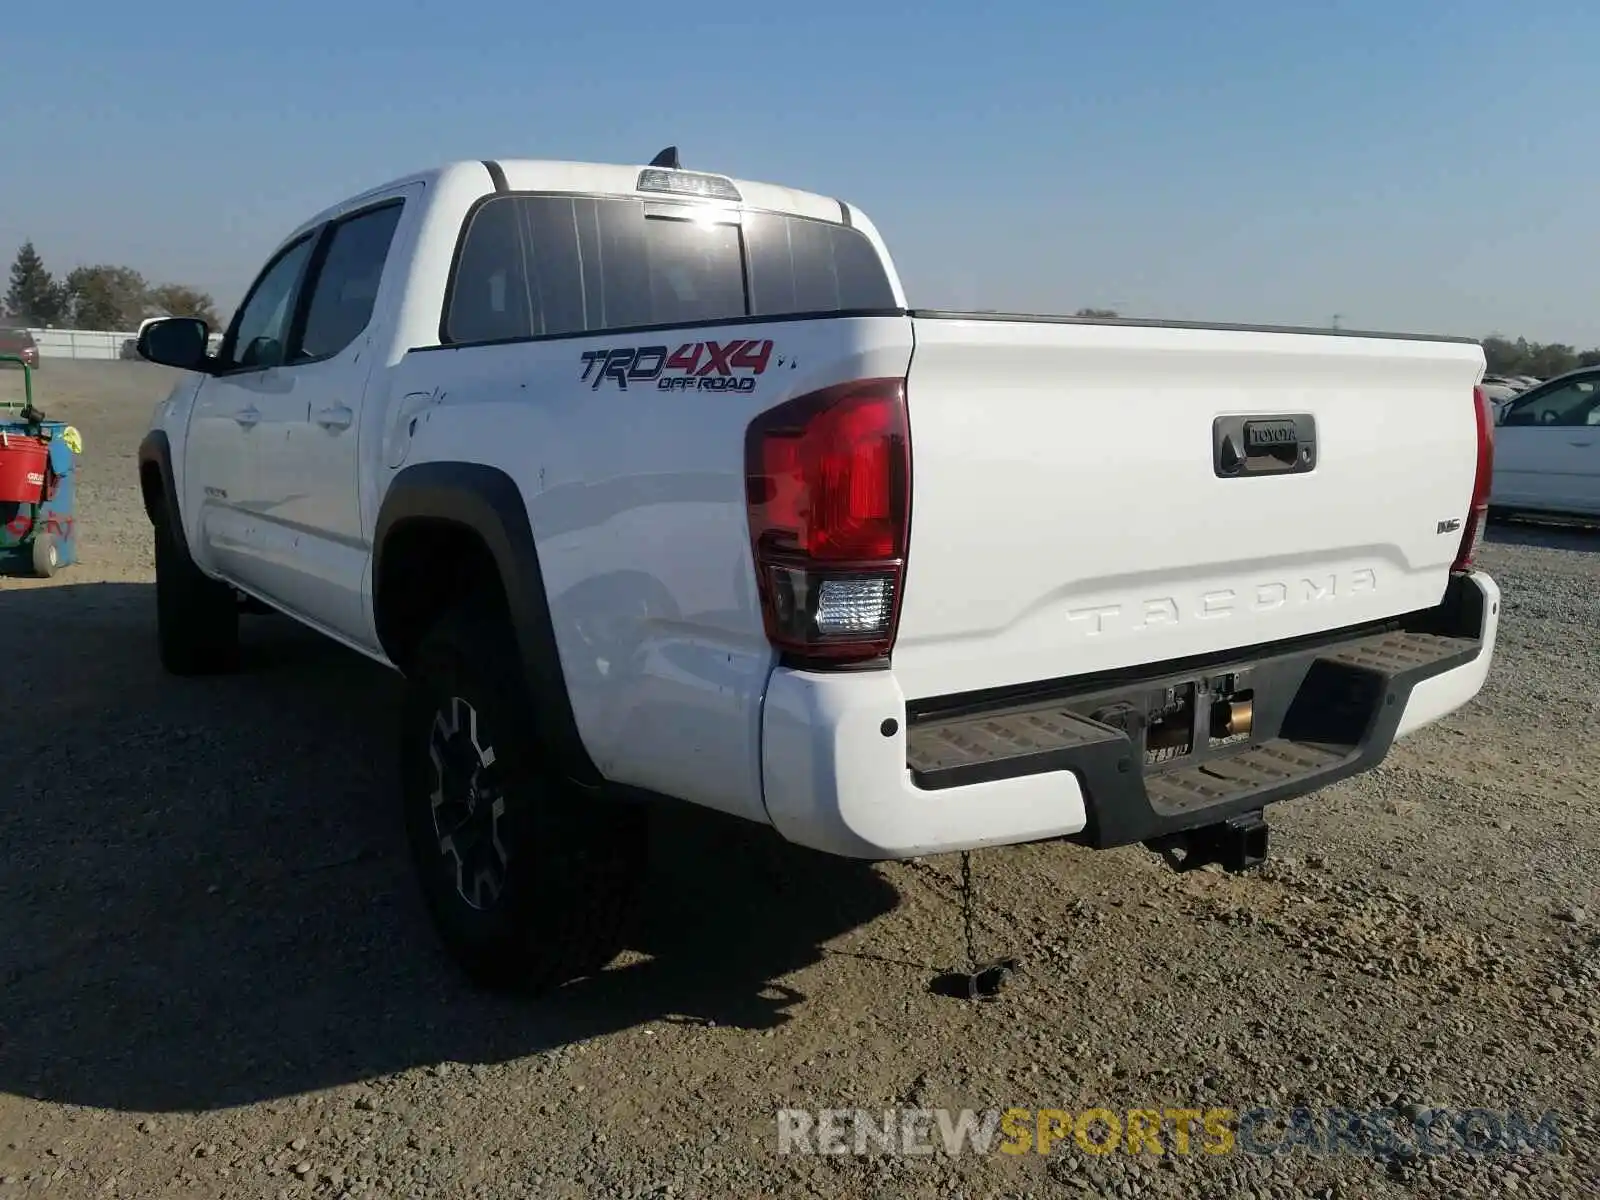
[[943, 314]]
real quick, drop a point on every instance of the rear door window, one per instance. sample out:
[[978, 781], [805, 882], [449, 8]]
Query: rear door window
[[346, 286]]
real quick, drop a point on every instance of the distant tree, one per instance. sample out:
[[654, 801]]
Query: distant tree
[[34, 297], [1102, 313], [1522, 357], [1501, 354], [107, 297], [1553, 359], [180, 300]]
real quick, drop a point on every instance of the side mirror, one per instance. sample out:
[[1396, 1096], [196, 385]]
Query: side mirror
[[174, 342]]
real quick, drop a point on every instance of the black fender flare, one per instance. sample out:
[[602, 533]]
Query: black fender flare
[[487, 502], [166, 518], [156, 450]]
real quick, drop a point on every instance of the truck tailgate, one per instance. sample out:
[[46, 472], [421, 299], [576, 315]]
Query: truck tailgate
[[1088, 497]]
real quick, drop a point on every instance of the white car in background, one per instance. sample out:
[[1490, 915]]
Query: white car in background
[[1500, 392], [1547, 448]]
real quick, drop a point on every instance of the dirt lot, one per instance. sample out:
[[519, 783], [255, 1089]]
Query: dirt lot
[[218, 979]]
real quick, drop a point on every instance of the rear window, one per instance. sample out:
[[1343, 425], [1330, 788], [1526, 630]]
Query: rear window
[[548, 265], [799, 266], [489, 292]]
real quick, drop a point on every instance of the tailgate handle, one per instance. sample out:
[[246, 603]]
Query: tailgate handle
[[1263, 444]]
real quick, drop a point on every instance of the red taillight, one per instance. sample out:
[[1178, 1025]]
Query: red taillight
[[1478, 513], [828, 488]]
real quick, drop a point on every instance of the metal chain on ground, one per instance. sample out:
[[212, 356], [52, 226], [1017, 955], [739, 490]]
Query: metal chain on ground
[[966, 907]]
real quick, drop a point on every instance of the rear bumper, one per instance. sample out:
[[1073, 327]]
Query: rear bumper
[[843, 772]]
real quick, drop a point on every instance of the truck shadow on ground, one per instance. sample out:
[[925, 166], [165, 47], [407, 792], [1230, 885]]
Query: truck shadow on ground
[[205, 899]]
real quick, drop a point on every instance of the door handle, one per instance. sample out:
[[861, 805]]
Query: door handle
[[248, 416], [1581, 445], [335, 418]]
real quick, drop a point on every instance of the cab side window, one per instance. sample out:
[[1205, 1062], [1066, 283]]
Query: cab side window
[[1564, 405], [261, 330], [346, 285]]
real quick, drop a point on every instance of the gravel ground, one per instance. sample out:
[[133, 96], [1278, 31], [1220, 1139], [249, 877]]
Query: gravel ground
[[218, 980]]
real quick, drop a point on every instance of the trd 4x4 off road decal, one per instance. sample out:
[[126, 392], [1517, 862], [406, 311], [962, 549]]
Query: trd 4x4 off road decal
[[730, 366]]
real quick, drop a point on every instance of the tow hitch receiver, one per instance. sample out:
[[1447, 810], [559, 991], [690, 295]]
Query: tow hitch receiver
[[1236, 844]]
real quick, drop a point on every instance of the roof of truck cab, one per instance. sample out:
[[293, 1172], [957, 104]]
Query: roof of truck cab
[[544, 175], [345, 205], [550, 175]]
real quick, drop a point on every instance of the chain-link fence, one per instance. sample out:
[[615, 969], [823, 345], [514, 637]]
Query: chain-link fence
[[81, 343], [91, 343]]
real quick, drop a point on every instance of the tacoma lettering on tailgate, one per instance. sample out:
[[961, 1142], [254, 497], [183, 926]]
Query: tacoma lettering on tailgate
[[1221, 603]]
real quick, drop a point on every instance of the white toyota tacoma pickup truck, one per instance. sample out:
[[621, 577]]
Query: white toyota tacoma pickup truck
[[650, 484]]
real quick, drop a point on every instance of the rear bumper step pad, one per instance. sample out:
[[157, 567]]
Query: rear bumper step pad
[[1320, 715]]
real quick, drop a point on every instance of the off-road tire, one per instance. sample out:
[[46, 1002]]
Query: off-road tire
[[197, 618], [573, 861]]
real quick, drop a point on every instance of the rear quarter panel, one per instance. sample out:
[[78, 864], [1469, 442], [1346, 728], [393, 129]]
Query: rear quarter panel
[[635, 494]]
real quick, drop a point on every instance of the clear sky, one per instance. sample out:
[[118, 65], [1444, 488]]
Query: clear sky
[[1420, 166]]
